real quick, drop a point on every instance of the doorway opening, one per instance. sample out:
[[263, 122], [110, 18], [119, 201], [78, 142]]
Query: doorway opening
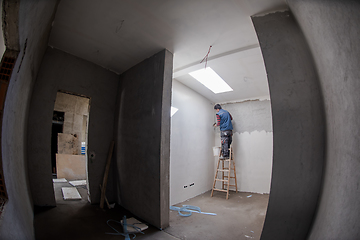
[[57, 127], [192, 141], [68, 146], [193, 165]]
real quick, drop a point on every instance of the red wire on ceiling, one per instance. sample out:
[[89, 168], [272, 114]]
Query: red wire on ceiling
[[206, 57]]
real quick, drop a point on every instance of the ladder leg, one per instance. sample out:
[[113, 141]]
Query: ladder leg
[[225, 179], [222, 174], [216, 173], [235, 176], [229, 174]]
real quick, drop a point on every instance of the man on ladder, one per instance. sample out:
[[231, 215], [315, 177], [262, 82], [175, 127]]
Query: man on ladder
[[224, 121]]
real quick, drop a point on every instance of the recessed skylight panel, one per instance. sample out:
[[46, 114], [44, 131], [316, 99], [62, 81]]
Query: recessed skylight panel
[[210, 79]]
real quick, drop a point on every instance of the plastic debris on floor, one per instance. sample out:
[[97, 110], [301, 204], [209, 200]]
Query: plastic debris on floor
[[111, 205], [77, 183], [70, 193], [187, 210], [249, 196], [59, 180], [128, 229], [134, 222]]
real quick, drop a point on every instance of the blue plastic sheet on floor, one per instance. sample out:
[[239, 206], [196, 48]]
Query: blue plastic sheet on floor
[[187, 210]]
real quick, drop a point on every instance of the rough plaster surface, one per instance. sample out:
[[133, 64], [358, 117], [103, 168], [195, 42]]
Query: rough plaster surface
[[252, 144], [68, 144], [191, 144], [2, 42], [142, 150], [34, 22], [332, 30], [62, 71], [298, 127], [250, 116], [10, 24], [71, 167]]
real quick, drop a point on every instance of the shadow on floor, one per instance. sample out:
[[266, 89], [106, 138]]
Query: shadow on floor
[[240, 217]]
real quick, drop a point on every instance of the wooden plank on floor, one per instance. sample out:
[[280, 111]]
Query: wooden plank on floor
[[106, 173]]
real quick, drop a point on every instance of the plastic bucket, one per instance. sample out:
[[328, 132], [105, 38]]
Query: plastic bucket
[[216, 151]]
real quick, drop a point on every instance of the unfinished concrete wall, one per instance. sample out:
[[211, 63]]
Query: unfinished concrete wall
[[34, 23], [143, 144], [332, 30], [2, 42], [298, 127], [74, 108], [252, 144], [191, 168], [62, 71]]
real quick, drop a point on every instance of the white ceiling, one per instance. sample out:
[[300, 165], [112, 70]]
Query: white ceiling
[[117, 34]]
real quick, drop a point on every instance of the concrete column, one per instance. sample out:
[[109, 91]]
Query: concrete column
[[333, 32], [143, 139], [298, 127], [26, 26]]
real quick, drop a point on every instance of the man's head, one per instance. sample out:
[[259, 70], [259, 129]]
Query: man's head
[[217, 107]]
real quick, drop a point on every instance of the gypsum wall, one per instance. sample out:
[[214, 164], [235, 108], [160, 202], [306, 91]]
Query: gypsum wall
[[252, 144], [191, 168]]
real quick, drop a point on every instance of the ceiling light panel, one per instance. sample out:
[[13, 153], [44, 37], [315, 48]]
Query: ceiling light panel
[[210, 79]]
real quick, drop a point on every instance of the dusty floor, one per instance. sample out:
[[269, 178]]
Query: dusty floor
[[240, 217]]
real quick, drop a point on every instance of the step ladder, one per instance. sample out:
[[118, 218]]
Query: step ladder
[[225, 169]]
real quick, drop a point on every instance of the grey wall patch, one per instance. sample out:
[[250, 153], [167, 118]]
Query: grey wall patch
[[250, 116]]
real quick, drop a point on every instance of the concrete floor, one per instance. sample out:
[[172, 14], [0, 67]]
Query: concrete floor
[[240, 217]]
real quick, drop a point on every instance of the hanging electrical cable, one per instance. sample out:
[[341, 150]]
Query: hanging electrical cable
[[206, 57]]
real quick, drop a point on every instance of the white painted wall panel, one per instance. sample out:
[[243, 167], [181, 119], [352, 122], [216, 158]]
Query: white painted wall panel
[[192, 138], [253, 160], [252, 144]]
